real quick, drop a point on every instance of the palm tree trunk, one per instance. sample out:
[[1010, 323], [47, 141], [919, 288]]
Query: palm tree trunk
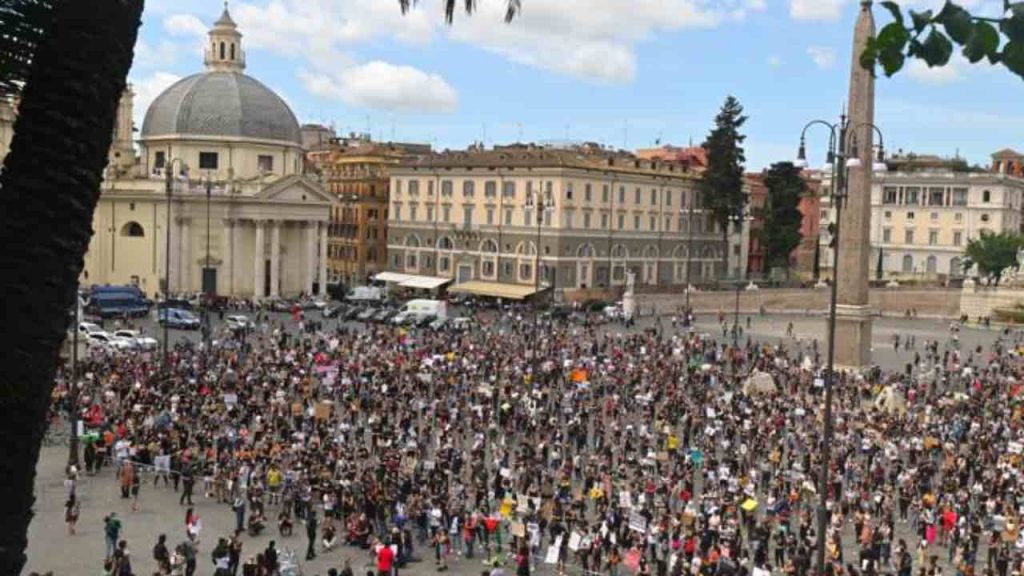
[[48, 192]]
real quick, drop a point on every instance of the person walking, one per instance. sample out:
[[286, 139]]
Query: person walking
[[311, 533], [188, 482], [112, 531], [161, 555], [238, 505], [221, 558], [71, 510]]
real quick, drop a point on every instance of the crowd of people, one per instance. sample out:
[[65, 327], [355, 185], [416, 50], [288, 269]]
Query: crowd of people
[[574, 446]]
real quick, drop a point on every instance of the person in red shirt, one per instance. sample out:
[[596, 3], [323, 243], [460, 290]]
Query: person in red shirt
[[385, 560]]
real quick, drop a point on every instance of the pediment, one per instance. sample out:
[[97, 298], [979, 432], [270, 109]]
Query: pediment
[[295, 189]]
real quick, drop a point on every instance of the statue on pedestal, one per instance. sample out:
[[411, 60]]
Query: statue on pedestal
[[628, 298]]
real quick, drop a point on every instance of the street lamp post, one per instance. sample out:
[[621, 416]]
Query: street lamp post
[[207, 288], [73, 387], [841, 138], [542, 204], [169, 189]]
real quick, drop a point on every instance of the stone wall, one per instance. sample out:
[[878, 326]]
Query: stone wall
[[932, 303], [978, 300]]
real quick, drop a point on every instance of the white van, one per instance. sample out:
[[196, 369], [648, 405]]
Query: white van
[[415, 311]]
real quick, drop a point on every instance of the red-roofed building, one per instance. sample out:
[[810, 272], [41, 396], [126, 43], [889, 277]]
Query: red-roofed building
[[693, 157], [802, 258]]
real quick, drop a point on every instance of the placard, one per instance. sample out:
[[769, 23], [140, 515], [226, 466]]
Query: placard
[[574, 541], [624, 500], [322, 411], [534, 531], [637, 522], [162, 464], [552, 555], [518, 529], [230, 399]]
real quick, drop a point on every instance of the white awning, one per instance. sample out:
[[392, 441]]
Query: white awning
[[411, 280], [392, 277], [495, 289], [425, 282]]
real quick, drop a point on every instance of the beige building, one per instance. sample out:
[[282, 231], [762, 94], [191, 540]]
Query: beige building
[[926, 209], [468, 216], [238, 190]]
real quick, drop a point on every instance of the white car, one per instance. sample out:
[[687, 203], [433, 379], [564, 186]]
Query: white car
[[86, 328], [614, 312], [320, 304], [237, 321], [105, 340], [137, 339]]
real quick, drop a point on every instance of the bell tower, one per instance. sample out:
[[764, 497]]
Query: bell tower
[[224, 50]]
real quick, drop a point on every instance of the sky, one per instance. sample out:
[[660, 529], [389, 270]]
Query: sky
[[624, 73]]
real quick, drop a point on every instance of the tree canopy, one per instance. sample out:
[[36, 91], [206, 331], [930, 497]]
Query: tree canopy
[[993, 253], [782, 217], [930, 36]]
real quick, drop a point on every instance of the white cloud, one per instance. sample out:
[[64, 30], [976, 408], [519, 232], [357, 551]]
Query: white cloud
[[919, 71], [185, 25], [384, 86], [816, 10], [823, 57], [147, 89], [592, 39], [148, 57]]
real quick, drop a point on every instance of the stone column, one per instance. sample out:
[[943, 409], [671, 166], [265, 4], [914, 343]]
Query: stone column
[[259, 261], [322, 276], [853, 314], [185, 256], [311, 240], [275, 258], [228, 261]]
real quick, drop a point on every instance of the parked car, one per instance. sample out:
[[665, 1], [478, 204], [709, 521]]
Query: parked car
[[384, 315], [366, 314], [86, 328], [614, 312], [237, 321], [110, 341], [438, 323], [175, 318], [140, 341], [353, 312], [335, 311], [175, 303]]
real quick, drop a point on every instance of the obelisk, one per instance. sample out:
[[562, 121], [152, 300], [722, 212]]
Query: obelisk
[[853, 314]]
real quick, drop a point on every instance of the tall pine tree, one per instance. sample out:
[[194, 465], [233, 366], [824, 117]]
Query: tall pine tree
[[782, 217], [721, 184]]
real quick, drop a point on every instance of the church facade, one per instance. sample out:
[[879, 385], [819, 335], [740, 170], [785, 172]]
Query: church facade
[[216, 199]]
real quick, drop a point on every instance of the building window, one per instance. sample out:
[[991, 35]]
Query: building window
[[959, 196], [446, 188], [398, 210], [888, 214], [490, 216], [936, 196], [910, 215], [525, 271], [911, 194], [958, 217], [986, 196], [668, 224], [587, 192], [605, 193], [652, 223], [490, 189], [622, 221], [654, 197], [446, 214], [508, 189], [527, 217], [487, 268], [430, 213], [568, 191], [889, 195], [604, 221], [133, 230], [933, 237], [207, 160], [887, 235], [622, 195], [908, 236], [265, 163], [467, 216], [159, 160], [935, 216], [958, 238], [412, 212], [636, 222], [444, 263], [636, 196], [414, 188], [569, 215], [430, 188], [508, 216], [586, 219], [468, 188], [984, 217]]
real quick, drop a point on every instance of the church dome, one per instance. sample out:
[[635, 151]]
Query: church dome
[[221, 103]]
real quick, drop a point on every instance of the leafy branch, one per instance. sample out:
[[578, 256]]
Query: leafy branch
[[930, 37]]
